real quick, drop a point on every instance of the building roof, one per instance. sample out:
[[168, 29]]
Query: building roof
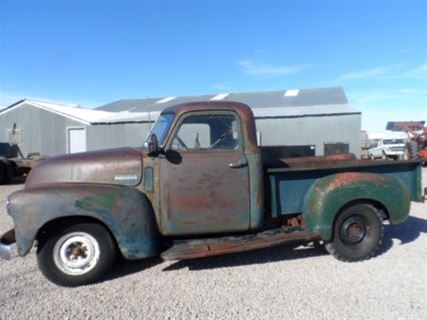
[[128, 117], [76, 113], [256, 100], [285, 103]]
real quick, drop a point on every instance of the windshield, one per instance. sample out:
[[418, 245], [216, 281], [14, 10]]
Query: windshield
[[161, 127], [394, 141]]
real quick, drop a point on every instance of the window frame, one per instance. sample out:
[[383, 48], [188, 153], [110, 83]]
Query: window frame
[[171, 124], [186, 115]]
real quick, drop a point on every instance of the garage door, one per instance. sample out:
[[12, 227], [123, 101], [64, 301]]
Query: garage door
[[76, 140]]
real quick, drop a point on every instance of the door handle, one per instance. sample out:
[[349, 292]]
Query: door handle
[[238, 164]]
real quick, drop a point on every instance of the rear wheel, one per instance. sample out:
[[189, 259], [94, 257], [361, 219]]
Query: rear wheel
[[358, 233], [76, 255], [411, 151]]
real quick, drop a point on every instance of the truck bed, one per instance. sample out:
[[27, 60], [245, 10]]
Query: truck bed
[[288, 180]]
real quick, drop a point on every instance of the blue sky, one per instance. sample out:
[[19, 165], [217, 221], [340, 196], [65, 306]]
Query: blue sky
[[94, 52]]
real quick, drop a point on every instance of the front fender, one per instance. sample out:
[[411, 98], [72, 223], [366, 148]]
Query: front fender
[[329, 194], [125, 211]]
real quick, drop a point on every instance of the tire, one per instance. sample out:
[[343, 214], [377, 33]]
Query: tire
[[91, 243], [3, 173], [411, 151], [383, 156], [414, 150], [365, 222], [6, 171]]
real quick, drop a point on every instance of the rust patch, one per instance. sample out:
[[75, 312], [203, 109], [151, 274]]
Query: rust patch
[[122, 166], [319, 162], [343, 179], [202, 186], [194, 249], [297, 221]]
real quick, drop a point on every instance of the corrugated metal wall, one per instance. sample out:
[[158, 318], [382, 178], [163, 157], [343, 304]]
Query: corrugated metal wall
[[46, 132], [104, 136], [41, 131], [316, 130]]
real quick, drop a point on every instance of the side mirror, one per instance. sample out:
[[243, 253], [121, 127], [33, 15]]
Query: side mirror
[[153, 146]]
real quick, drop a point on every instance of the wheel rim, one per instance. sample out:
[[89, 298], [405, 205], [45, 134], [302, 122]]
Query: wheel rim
[[353, 230], [76, 253]]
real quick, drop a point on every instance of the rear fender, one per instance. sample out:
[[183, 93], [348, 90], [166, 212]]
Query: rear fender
[[125, 211], [328, 195]]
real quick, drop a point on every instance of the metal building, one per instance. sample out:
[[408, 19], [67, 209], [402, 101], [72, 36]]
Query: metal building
[[318, 117], [50, 129]]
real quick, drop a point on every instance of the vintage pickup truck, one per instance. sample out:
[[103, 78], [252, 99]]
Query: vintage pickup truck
[[199, 188]]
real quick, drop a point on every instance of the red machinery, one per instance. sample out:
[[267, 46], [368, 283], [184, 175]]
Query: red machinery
[[416, 148]]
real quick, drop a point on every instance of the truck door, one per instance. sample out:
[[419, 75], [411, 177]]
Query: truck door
[[204, 178]]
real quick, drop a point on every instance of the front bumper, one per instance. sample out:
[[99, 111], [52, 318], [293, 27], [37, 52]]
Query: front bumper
[[392, 153], [6, 240]]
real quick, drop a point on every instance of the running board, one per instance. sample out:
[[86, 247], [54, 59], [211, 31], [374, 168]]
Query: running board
[[199, 248]]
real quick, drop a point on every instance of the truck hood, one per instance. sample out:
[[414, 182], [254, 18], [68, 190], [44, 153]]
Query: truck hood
[[114, 166]]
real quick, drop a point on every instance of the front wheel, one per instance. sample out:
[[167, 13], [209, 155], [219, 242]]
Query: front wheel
[[76, 255], [358, 233], [383, 156], [6, 170]]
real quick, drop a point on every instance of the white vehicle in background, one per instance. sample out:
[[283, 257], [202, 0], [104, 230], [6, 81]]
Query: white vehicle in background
[[390, 147]]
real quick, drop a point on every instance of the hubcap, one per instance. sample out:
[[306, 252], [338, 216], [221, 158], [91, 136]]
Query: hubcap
[[76, 253], [353, 230]]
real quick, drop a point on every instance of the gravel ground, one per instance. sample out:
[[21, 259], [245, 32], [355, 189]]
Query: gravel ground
[[292, 282]]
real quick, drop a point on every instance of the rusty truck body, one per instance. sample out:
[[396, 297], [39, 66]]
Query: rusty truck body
[[200, 187]]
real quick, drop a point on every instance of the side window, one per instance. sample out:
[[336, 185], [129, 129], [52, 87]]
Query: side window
[[204, 132]]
